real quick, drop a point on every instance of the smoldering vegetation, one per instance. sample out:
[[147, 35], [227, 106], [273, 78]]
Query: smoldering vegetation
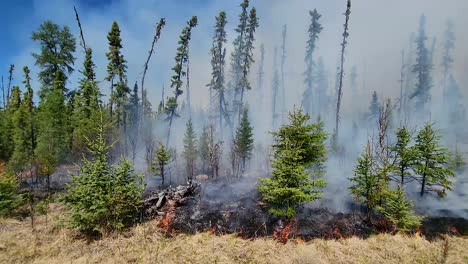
[[179, 127]]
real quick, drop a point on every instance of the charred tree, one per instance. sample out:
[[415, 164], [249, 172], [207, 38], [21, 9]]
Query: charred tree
[[314, 31], [340, 87], [261, 75], [283, 61], [275, 89]]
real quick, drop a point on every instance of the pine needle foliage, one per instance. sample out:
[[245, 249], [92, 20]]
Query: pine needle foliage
[[295, 149], [103, 197]]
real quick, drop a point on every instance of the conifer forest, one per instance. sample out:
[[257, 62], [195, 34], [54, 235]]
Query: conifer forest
[[246, 131]]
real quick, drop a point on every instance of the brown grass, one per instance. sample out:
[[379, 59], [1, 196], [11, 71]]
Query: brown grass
[[145, 244]]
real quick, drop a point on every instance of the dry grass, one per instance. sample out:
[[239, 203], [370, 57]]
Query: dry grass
[[144, 244]]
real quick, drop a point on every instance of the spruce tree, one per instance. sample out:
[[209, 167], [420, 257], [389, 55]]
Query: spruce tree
[[160, 162], [190, 150], [237, 54], [218, 54], [367, 183], [116, 75], [103, 197], [447, 57], [52, 139], [404, 156], [10, 198], [313, 34], [431, 168], [243, 142], [399, 211], [180, 70], [294, 150], [57, 48], [87, 105], [247, 57], [422, 69]]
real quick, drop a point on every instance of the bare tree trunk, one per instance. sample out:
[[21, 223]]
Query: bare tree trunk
[[83, 42], [340, 88], [156, 37]]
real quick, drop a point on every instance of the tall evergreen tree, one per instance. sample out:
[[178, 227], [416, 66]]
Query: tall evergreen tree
[[247, 57], [447, 57], [190, 150], [179, 72], [432, 170], [57, 47], [275, 85], [218, 54], [243, 142], [52, 139], [314, 30], [237, 54], [294, 150], [116, 75], [422, 68], [87, 105]]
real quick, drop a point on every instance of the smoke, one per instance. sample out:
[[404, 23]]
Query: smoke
[[379, 30]]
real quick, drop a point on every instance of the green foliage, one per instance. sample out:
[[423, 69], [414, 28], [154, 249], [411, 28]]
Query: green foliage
[[103, 197], [218, 54], [431, 168], [57, 47], [190, 150], [405, 156], [180, 62], [294, 149], [116, 74], [422, 68], [398, 210], [53, 122], [161, 160], [367, 180], [9, 197], [86, 108], [243, 141]]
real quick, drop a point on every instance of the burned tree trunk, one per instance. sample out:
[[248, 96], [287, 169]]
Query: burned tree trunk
[[340, 87]]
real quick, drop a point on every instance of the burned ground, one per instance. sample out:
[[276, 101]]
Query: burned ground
[[227, 208]]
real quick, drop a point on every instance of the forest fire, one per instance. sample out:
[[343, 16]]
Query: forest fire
[[188, 209]]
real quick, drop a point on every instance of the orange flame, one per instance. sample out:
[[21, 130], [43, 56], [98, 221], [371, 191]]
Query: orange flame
[[337, 234]]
